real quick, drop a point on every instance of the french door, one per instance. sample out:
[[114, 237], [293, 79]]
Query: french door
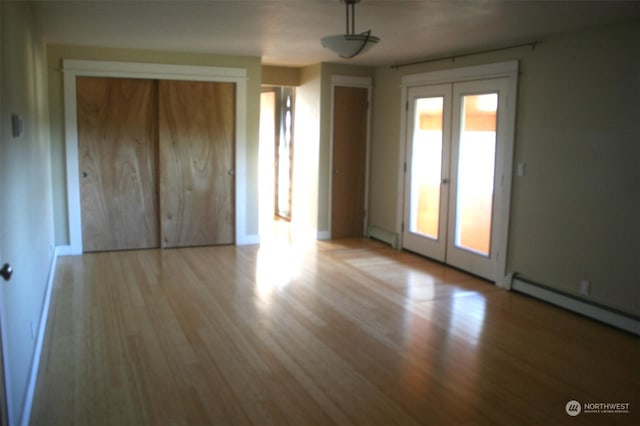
[[454, 172]]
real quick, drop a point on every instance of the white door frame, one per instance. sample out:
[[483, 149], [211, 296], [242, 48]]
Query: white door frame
[[75, 68], [349, 81], [508, 70]]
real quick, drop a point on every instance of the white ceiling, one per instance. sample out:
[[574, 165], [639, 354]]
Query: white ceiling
[[288, 32]]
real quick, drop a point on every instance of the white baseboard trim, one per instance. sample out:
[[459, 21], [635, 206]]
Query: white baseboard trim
[[247, 240], [591, 310], [323, 235], [383, 235], [66, 250], [42, 330]]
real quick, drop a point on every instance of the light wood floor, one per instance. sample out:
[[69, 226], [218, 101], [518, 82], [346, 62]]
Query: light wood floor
[[344, 332]]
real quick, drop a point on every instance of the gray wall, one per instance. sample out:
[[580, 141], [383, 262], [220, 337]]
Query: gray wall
[[26, 230], [576, 212]]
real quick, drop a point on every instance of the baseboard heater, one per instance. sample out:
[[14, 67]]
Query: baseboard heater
[[589, 309], [383, 235]]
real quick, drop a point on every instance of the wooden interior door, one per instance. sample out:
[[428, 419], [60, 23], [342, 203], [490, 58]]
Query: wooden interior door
[[117, 145], [197, 135], [350, 106]]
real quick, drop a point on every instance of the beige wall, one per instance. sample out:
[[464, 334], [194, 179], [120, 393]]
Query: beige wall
[[26, 226], [280, 76], [55, 55], [575, 213], [306, 143]]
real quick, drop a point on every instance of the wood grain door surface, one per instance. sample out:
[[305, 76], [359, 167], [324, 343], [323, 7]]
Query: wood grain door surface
[[117, 148], [349, 162], [197, 126], [156, 163]]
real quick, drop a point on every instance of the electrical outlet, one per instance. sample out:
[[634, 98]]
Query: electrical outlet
[[585, 287]]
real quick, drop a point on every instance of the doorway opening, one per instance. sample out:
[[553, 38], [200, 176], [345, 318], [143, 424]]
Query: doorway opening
[[277, 105]]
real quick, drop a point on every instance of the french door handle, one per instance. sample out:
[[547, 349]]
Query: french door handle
[[6, 272]]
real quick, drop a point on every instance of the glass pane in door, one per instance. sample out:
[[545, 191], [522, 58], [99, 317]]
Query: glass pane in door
[[475, 172], [426, 167], [284, 156]]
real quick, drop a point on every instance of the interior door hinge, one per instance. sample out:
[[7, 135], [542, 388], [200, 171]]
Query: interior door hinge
[[402, 227], [406, 106], [404, 167]]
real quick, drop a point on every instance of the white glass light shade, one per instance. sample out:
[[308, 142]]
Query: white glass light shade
[[349, 45]]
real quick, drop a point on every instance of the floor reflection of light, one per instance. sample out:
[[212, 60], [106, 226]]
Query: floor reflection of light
[[420, 286], [277, 265], [468, 314]]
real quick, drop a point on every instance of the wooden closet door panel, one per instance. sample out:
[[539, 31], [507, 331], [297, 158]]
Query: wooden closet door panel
[[349, 162], [117, 148], [197, 137]]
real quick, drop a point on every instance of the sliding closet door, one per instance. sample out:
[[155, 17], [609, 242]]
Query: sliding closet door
[[196, 134], [117, 145]]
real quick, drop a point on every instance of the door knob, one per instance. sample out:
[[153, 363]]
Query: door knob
[[6, 271]]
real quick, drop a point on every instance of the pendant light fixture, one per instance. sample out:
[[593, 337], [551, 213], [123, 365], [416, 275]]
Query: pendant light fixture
[[350, 44]]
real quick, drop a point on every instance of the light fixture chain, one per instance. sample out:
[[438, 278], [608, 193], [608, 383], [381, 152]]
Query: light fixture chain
[[353, 17]]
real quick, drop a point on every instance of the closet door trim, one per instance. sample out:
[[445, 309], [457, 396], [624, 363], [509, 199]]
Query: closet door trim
[[75, 68]]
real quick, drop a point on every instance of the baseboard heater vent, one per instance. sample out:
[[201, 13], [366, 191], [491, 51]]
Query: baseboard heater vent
[[383, 235], [595, 311]]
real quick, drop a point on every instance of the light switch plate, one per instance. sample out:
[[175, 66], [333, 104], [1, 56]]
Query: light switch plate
[[585, 287], [17, 127]]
